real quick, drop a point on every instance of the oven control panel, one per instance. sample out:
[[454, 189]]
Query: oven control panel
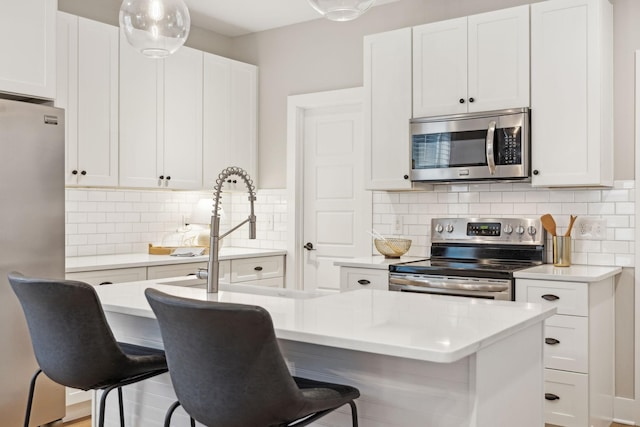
[[487, 230]]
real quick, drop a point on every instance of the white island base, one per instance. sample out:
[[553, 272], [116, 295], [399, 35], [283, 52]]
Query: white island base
[[496, 380]]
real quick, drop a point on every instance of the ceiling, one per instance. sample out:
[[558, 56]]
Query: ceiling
[[238, 17]]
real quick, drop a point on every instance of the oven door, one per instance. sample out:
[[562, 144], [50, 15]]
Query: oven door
[[499, 289], [471, 147]]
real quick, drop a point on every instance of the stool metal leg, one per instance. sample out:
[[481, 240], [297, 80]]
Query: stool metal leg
[[171, 410], [121, 407], [103, 400], [354, 414], [32, 389]]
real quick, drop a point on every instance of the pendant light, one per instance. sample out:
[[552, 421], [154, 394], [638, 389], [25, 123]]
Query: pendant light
[[341, 10], [157, 28]]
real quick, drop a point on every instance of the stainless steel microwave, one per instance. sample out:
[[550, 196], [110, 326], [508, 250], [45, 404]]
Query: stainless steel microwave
[[485, 146]]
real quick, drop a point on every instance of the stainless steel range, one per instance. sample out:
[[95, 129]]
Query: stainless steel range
[[473, 257]]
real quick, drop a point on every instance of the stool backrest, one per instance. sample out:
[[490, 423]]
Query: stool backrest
[[224, 362], [71, 339]]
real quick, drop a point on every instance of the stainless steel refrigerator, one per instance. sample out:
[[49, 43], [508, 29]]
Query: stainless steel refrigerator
[[31, 242]]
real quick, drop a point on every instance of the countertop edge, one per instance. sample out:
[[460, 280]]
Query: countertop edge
[[376, 262], [114, 262], [574, 273]]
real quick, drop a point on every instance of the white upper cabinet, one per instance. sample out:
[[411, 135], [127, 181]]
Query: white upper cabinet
[[572, 93], [387, 110], [160, 119], [87, 88], [28, 46], [475, 63], [182, 148], [230, 109]]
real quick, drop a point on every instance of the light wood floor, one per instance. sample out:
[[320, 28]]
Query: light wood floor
[[82, 422], [86, 422]]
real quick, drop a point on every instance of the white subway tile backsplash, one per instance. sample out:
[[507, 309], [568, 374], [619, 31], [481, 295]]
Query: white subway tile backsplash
[[102, 222], [520, 199]]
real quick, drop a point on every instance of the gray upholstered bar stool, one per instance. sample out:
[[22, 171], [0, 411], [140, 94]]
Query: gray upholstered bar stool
[[227, 369], [73, 343]]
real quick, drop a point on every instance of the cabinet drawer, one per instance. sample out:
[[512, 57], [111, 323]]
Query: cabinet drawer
[[107, 277], [174, 270], [568, 297], [363, 278], [245, 269], [570, 409], [566, 343]]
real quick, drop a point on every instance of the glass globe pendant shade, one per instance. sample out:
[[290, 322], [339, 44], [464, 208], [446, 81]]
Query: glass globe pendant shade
[[341, 10], [157, 28]]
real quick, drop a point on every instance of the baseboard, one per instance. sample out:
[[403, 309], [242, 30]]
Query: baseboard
[[78, 410], [624, 411]]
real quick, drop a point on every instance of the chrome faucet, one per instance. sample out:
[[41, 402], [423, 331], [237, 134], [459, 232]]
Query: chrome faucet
[[213, 270]]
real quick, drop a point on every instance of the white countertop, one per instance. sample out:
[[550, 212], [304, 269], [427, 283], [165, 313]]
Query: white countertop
[[109, 262], [416, 326], [377, 262], [574, 273]]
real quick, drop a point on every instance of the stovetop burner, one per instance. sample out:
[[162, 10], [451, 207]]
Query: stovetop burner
[[479, 247], [463, 268]]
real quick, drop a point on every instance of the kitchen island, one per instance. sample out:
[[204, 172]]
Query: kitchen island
[[418, 360]]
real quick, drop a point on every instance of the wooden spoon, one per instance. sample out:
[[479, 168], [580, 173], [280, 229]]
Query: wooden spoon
[[549, 224], [571, 221]]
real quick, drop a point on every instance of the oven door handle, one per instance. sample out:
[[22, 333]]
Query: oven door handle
[[484, 287], [491, 162]]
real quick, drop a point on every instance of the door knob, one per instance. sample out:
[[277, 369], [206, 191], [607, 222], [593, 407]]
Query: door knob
[[309, 246]]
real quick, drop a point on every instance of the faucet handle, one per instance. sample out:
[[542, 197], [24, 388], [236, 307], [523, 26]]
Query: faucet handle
[[202, 273]]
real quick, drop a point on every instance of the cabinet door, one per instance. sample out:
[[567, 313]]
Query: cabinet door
[[440, 68], [139, 112], [387, 110], [97, 111], [230, 106], [499, 59], [87, 87], [67, 89], [28, 46], [571, 93], [182, 134], [243, 118]]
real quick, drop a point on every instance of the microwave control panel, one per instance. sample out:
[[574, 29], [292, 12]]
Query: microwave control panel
[[509, 146]]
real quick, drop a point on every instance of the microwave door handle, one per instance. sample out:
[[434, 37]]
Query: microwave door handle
[[491, 131]]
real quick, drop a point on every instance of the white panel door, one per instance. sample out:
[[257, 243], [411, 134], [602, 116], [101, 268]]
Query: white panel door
[[499, 59], [181, 159], [337, 209], [440, 68]]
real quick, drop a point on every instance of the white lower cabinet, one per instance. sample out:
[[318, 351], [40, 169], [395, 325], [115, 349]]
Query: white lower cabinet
[[108, 277], [578, 350], [264, 271], [571, 408], [352, 278]]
